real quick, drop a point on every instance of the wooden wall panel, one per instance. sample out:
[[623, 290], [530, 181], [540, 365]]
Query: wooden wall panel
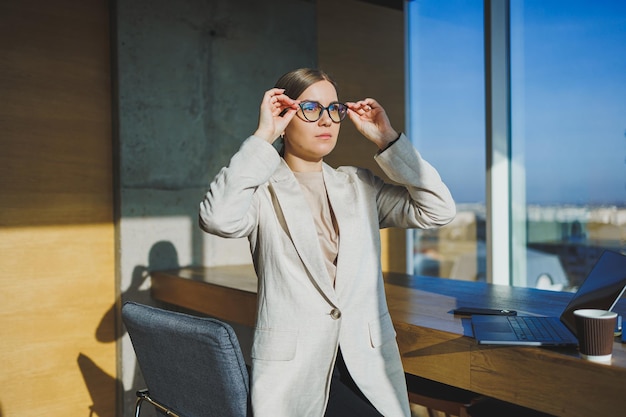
[[57, 256], [362, 46]]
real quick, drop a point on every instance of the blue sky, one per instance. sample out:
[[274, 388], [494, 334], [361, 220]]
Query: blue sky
[[568, 70]]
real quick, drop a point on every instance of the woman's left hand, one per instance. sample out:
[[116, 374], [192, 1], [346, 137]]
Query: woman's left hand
[[370, 119]]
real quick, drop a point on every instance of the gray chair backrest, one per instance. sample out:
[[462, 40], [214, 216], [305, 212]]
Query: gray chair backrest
[[194, 365]]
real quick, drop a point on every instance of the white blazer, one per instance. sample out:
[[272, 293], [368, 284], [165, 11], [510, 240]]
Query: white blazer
[[301, 318]]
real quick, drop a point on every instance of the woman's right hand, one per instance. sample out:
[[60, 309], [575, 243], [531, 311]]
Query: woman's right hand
[[277, 110]]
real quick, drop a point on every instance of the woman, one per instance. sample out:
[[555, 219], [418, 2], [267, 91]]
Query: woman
[[324, 343]]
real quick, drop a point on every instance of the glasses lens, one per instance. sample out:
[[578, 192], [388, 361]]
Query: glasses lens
[[311, 110], [337, 111]]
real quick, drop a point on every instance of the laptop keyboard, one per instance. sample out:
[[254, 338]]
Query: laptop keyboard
[[537, 328]]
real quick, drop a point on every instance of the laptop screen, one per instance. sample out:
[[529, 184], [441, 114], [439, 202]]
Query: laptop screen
[[601, 289]]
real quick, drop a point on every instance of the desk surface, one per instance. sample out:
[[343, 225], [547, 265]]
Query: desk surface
[[437, 345]]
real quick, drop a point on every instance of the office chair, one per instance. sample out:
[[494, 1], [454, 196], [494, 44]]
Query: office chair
[[192, 366]]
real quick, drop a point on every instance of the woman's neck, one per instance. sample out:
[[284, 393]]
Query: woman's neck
[[302, 165]]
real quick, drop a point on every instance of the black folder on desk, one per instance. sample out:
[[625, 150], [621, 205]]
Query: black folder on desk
[[601, 289]]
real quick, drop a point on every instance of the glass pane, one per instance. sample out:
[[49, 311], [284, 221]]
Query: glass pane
[[568, 71], [447, 124]]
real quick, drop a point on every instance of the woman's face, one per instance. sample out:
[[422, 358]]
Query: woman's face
[[311, 141]]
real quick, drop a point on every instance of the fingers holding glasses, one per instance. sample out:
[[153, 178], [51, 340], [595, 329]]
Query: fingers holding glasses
[[364, 108], [279, 101], [370, 118], [282, 102], [277, 110]]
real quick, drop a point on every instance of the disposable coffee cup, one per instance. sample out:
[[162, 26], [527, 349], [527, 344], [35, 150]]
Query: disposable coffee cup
[[595, 334]]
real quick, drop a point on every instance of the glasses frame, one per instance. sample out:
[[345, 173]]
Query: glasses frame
[[322, 108]]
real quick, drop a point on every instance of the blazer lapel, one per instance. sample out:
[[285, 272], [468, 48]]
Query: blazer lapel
[[342, 195], [299, 222]]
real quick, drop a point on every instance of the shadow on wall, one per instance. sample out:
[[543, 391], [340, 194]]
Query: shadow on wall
[[163, 255], [100, 385]]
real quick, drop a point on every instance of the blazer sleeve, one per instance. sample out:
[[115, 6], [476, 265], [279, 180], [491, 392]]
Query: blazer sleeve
[[421, 199], [228, 208]]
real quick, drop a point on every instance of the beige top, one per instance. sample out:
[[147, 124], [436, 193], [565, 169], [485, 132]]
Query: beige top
[[312, 184]]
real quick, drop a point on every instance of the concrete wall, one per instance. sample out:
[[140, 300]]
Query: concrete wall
[[191, 75]]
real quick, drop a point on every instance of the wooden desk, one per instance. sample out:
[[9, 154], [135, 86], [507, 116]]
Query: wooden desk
[[437, 345]]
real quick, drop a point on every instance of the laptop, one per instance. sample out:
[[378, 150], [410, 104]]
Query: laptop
[[601, 289]]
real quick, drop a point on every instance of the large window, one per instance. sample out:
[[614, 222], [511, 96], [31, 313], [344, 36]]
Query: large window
[[447, 124], [564, 181]]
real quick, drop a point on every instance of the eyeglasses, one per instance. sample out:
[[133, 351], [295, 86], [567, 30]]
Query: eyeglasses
[[312, 111]]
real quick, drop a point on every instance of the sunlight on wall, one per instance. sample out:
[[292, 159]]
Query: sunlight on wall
[[57, 286]]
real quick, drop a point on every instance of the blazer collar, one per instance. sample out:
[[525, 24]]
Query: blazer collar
[[299, 222]]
